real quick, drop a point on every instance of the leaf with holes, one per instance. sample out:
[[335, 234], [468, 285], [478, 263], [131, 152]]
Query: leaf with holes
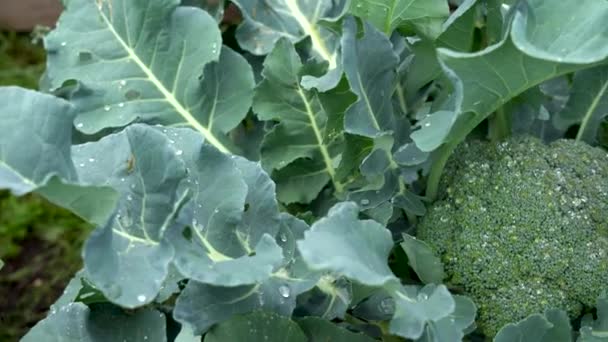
[[147, 61]]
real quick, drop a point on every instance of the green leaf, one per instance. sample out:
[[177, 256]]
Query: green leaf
[[329, 299], [70, 292], [35, 154], [35, 140], [201, 305], [483, 82], [92, 203], [596, 331], [587, 105], [423, 260], [388, 15], [213, 7], [317, 329], [371, 81], [186, 334], [141, 61], [565, 32], [459, 29], [433, 130], [553, 326], [146, 172], [343, 244], [303, 129], [410, 155], [268, 21], [257, 326], [453, 327], [415, 308], [233, 223], [75, 322]]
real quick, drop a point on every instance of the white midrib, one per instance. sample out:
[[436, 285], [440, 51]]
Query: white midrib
[[167, 94], [317, 42], [322, 147], [592, 108]]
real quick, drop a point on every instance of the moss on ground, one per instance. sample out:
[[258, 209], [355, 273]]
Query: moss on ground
[[39, 242]]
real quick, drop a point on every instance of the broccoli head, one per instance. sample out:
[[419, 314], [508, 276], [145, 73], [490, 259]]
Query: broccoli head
[[522, 226]]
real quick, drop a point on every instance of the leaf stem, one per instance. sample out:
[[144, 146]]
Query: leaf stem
[[500, 127]]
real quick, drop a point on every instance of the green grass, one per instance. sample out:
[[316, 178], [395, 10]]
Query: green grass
[[39, 243]]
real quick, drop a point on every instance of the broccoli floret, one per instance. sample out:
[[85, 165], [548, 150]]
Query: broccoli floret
[[522, 226]]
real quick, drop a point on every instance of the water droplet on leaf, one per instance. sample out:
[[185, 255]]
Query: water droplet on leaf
[[284, 291]]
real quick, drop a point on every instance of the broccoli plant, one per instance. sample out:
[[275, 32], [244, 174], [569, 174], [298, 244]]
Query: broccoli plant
[[522, 227], [259, 178]]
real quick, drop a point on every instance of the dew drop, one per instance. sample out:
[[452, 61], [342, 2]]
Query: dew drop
[[283, 237], [122, 104], [80, 125], [179, 152], [81, 164], [129, 198], [364, 201], [428, 124], [123, 83], [64, 43], [107, 108], [423, 296], [141, 298], [284, 291], [91, 160]]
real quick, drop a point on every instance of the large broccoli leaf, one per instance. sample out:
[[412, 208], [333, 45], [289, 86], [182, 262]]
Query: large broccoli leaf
[[310, 127], [142, 61]]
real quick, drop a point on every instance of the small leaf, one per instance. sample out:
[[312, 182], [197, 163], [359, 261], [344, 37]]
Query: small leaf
[[596, 331], [388, 15], [587, 105], [362, 256], [417, 307], [423, 260], [371, 81], [410, 155], [553, 326], [433, 131]]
